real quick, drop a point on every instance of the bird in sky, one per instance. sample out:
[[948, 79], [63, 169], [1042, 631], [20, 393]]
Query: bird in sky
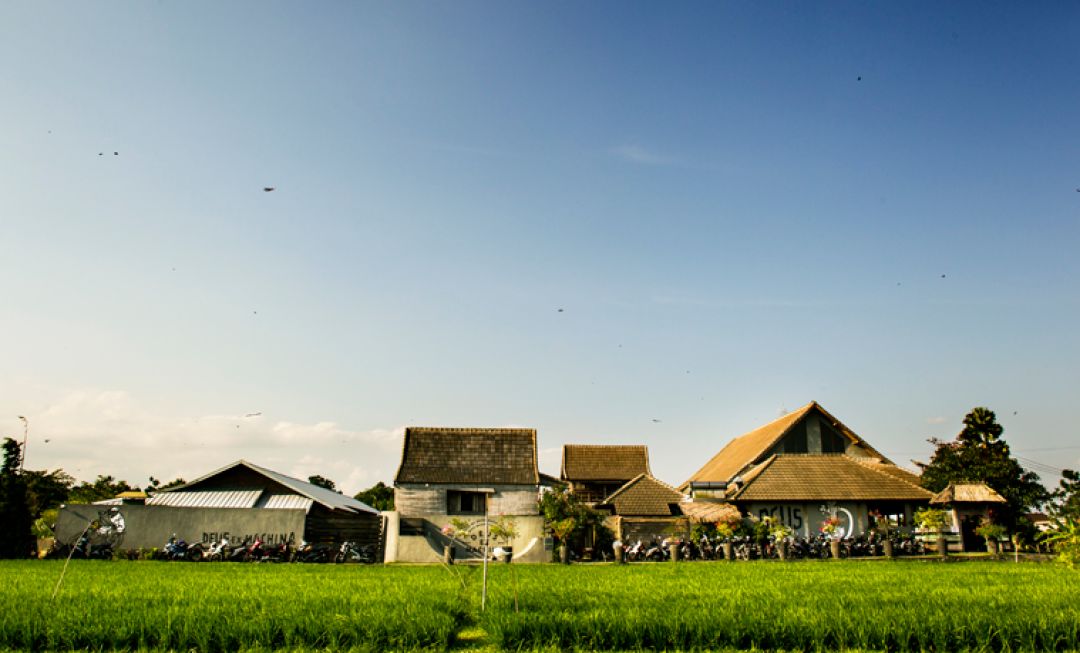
[[268, 189], [252, 414], [656, 420]]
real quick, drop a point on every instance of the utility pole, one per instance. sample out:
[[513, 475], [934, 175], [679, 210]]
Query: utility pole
[[26, 430]]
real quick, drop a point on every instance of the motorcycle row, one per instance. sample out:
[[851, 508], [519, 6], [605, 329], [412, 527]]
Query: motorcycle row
[[223, 551], [746, 548], [257, 551]]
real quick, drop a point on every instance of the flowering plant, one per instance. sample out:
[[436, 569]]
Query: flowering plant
[[781, 532], [830, 526]]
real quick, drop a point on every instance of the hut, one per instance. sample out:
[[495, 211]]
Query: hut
[[806, 467], [968, 505], [594, 472], [645, 508], [242, 502], [452, 482]]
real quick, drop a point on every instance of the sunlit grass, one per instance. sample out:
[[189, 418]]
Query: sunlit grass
[[812, 605]]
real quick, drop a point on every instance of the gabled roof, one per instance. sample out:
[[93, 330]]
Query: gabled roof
[[742, 452], [600, 462], [500, 456], [644, 496], [320, 495], [824, 477], [968, 493]]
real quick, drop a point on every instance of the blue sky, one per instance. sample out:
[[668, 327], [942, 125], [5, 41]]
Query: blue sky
[[739, 208]]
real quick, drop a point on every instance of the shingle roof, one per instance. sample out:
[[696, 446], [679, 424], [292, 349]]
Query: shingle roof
[[599, 462], [968, 493], [327, 498], [744, 450], [644, 496], [820, 477], [500, 456]]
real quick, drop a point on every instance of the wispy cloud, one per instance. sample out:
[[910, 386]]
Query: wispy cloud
[[88, 432], [640, 155]]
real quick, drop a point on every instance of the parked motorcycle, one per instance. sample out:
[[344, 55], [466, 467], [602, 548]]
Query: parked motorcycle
[[352, 552]]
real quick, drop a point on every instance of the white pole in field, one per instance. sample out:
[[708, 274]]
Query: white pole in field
[[483, 591]]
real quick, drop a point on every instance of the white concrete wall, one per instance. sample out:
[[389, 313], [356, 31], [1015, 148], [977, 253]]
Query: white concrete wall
[[415, 499], [528, 546]]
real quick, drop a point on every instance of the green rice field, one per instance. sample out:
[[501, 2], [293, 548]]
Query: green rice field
[[807, 605]]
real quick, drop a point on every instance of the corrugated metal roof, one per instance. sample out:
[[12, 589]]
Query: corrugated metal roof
[[328, 498], [206, 499], [285, 502]]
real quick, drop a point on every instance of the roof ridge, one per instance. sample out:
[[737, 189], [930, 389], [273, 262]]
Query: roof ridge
[[597, 446], [625, 486], [480, 429], [795, 417]]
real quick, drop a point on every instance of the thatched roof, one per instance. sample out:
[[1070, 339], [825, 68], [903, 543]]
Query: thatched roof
[[824, 477], [644, 496], [709, 512], [599, 462], [968, 493], [486, 456], [740, 454]]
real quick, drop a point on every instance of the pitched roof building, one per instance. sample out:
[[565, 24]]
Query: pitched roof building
[[644, 496], [457, 475], [239, 502], [594, 471], [468, 455], [804, 467], [645, 508]]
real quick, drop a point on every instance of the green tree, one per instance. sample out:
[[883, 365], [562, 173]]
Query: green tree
[[980, 454], [104, 487], [323, 482], [1065, 499], [46, 490], [379, 496], [572, 521], [156, 484], [16, 535]]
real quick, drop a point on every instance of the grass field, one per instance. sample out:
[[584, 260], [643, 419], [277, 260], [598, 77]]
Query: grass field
[[813, 605]]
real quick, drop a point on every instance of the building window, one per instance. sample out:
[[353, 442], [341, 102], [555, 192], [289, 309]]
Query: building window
[[464, 503]]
